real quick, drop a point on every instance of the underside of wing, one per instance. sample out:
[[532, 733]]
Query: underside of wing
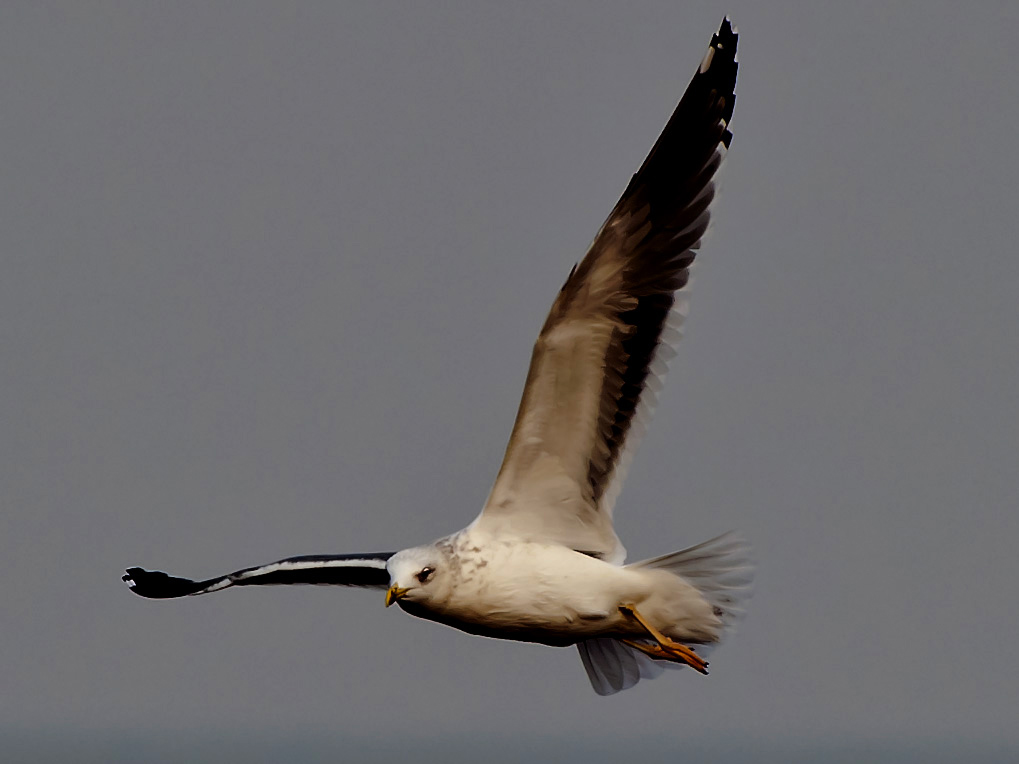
[[362, 570], [597, 360]]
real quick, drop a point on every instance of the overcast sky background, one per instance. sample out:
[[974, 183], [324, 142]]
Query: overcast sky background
[[270, 279]]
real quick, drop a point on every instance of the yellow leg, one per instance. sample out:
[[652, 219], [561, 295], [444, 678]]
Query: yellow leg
[[666, 649]]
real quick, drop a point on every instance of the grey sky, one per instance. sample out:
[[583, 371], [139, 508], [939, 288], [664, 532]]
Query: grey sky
[[270, 278]]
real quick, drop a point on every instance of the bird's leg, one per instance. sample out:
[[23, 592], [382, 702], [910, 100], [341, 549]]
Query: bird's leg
[[683, 655], [666, 649]]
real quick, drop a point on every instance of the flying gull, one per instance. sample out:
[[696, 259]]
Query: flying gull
[[542, 563]]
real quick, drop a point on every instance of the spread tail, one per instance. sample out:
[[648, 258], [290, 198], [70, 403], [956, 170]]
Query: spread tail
[[721, 569]]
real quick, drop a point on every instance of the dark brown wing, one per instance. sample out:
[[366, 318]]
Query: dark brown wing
[[592, 371]]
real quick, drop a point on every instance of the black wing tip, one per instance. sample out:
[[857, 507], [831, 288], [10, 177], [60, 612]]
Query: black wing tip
[[725, 40], [718, 71], [727, 31], [156, 585], [721, 54]]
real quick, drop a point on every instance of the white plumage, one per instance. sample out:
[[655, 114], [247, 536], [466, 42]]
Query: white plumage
[[542, 562], [548, 593]]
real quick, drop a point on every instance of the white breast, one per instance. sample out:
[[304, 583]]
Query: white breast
[[536, 592]]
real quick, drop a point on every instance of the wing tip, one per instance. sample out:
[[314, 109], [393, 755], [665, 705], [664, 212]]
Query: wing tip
[[727, 33], [722, 47], [154, 584]]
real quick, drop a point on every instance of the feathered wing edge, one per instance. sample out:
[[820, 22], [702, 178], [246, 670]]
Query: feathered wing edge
[[599, 359], [667, 205], [361, 570]]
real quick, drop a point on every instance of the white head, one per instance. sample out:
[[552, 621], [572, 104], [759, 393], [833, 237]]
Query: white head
[[419, 575]]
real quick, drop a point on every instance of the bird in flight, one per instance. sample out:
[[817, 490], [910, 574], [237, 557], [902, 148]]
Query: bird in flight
[[542, 563]]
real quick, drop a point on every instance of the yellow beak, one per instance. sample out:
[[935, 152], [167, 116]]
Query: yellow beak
[[395, 593]]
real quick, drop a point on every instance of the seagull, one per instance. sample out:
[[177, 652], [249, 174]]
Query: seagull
[[542, 562]]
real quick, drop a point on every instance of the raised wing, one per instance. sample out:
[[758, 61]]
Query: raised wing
[[593, 371], [364, 570]]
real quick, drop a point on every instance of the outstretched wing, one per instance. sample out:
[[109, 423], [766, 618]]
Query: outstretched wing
[[363, 570], [593, 374]]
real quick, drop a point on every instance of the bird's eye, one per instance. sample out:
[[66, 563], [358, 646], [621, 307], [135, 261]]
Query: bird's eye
[[425, 574]]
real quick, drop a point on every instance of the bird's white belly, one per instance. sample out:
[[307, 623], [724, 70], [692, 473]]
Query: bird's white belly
[[543, 593]]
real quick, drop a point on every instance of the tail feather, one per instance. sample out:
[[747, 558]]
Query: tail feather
[[722, 571], [612, 666]]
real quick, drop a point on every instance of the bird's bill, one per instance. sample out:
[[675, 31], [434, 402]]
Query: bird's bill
[[395, 593]]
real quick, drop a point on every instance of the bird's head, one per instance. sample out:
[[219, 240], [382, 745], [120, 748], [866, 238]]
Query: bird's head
[[418, 575]]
